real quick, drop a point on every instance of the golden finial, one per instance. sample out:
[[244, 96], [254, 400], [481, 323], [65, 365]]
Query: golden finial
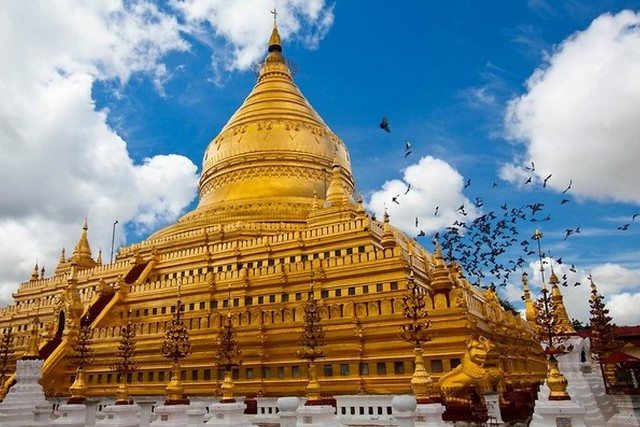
[[275, 43], [99, 259]]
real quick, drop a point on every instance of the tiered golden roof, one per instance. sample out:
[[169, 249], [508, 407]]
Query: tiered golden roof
[[270, 158]]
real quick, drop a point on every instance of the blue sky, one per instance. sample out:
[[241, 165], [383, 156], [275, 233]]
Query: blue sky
[[443, 73]]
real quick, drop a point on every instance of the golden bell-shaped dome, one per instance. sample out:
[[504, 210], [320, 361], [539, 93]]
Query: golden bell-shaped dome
[[272, 155]]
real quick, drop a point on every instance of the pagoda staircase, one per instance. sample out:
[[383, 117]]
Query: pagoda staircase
[[99, 307]]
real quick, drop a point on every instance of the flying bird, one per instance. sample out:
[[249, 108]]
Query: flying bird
[[494, 185], [407, 190], [564, 201], [468, 183], [528, 181], [624, 227], [568, 187], [394, 199], [635, 216], [416, 222], [544, 183], [407, 148], [421, 233], [535, 207], [384, 125], [435, 213], [532, 168]]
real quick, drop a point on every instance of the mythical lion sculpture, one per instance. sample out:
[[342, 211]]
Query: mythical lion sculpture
[[455, 385]]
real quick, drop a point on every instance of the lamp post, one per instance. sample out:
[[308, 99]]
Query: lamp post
[[113, 237]]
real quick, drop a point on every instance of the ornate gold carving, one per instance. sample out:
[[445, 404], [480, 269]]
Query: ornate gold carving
[[255, 172]]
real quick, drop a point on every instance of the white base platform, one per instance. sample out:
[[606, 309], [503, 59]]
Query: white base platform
[[171, 416], [71, 415], [429, 415], [558, 413], [228, 415], [120, 416], [317, 416]]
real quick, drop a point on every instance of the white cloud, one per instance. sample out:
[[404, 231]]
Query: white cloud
[[580, 113], [624, 308], [245, 25], [59, 159], [434, 183]]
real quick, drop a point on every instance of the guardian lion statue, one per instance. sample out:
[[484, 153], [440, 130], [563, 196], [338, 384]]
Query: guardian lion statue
[[471, 372]]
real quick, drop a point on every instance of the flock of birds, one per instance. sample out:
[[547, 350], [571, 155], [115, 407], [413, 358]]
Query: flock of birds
[[492, 246]]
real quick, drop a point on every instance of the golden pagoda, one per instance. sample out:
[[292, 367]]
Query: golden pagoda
[[276, 213]]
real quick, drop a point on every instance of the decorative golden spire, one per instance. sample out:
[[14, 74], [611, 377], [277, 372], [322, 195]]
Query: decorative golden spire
[[563, 325], [335, 192], [441, 276], [360, 212], [530, 309], [387, 239], [35, 275], [275, 43], [82, 253], [99, 259]]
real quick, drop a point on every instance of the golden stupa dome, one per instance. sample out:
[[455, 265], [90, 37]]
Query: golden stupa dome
[[272, 158]]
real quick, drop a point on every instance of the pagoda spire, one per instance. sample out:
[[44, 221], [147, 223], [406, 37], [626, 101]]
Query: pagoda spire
[[563, 324], [82, 253], [387, 240], [530, 309], [441, 277], [335, 193], [99, 258], [275, 42], [35, 275]]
